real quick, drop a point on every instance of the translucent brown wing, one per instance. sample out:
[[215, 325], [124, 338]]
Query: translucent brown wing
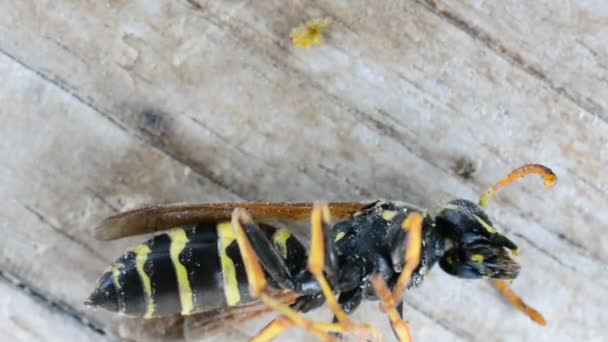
[[165, 216], [223, 320], [200, 325]]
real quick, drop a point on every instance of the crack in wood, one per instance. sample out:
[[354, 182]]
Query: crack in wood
[[546, 252], [61, 232], [52, 304], [62, 85], [513, 58], [102, 199], [89, 104], [303, 171], [442, 323]]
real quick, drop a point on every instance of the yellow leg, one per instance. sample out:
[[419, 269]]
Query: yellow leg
[[514, 299], [320, 220], [413, 226], [388, 300], [388, 305], [273, 329], [258, 288]]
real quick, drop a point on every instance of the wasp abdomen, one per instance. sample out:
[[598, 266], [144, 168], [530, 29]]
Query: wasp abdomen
[[186, 270], [183, 271]]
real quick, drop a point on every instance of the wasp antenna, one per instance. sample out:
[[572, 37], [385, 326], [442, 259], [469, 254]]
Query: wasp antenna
[[549, 178], [514, 299]]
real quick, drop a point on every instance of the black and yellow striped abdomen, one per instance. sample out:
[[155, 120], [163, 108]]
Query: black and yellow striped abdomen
[[183, 271]]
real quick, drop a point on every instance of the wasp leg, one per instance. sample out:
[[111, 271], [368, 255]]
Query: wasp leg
[[269, 257], [516, 300], [319, 260], [349, 301], [548, 176], [273, 329], [412, 225], [307, 303], [399, 309], [242, 222], [387, 303]]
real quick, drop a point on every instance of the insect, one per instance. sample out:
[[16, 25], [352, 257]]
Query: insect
[[225, 259]]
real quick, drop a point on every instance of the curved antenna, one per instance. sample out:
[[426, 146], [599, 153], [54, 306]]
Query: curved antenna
[[548, 176]]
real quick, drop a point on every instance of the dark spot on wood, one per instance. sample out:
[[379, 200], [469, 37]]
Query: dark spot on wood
[[154, 123], [467, 167], [152, 118], [518, 58], [195, 4], [432, 3]]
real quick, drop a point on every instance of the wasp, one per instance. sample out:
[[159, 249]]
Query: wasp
[[225, 257]]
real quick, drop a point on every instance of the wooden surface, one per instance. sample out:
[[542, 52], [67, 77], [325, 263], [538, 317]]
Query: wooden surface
[[108, 105]]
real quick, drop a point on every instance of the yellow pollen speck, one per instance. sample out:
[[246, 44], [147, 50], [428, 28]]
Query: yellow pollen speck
[[478, 258], [339, 236], [388, 214], [515, 252], [310, 33]]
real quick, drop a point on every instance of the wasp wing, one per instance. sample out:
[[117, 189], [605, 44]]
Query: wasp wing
[[223, 320], [165, 216], [199, 325]]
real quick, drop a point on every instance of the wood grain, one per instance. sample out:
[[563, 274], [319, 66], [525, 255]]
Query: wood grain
[[113, 104]]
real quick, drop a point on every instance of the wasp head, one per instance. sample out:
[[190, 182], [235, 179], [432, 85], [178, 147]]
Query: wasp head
[[474, 249]]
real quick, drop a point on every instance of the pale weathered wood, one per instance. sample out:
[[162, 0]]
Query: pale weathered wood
[[38, 322], [110, 105]]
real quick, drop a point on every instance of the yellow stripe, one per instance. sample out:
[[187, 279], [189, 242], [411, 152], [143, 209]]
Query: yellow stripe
[[116, 273], [141, 255], [388, 214], [231, 284], [115, 270], [280, 241], [485, 224], [478, 258], [339, 236], [178, 243], [449, 206]]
